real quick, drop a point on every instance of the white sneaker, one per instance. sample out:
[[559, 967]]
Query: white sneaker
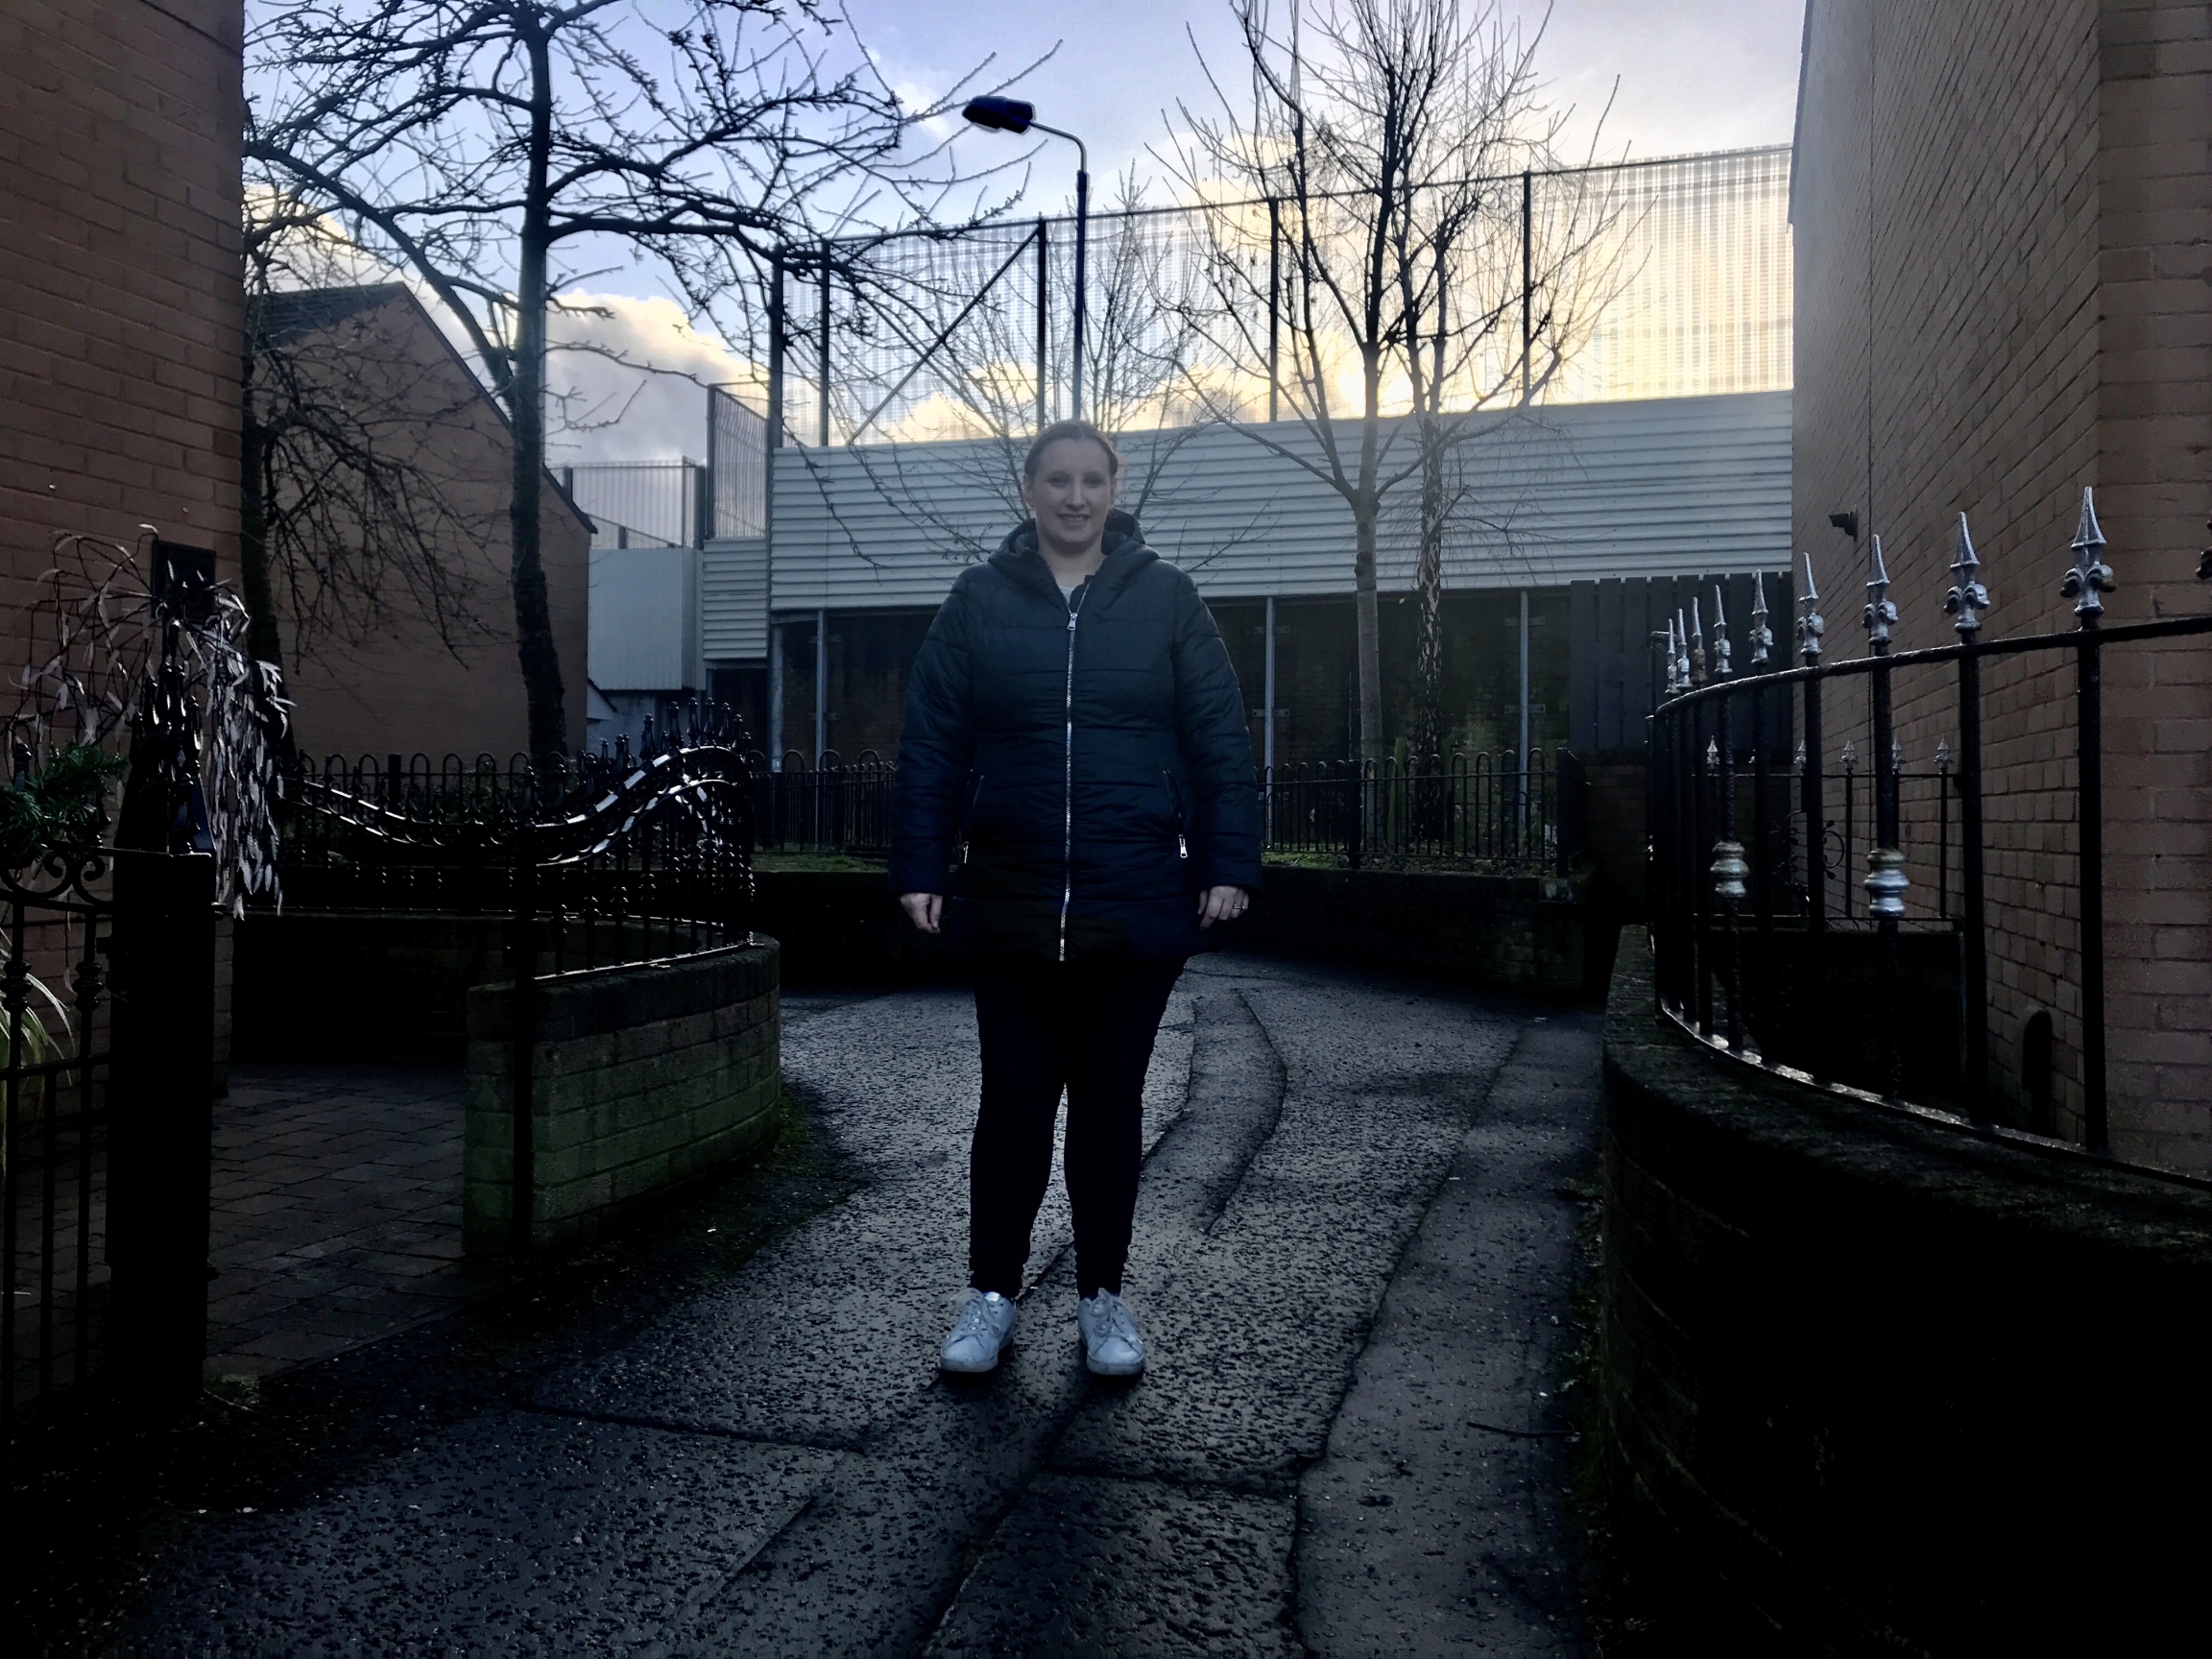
[[1111, 1345], [980, 1333]]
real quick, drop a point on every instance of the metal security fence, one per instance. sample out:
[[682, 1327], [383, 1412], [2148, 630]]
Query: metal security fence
[[1823, 910], [1664, 279], [683, 503]]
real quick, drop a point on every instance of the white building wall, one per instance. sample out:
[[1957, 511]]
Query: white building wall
[[645, 619], [733, 618], [1549, 496]]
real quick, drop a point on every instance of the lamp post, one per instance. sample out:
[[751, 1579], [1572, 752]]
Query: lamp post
[[1013, 116]]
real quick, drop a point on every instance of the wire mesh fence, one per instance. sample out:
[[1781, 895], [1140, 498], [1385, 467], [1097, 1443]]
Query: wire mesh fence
[[1652, 279]]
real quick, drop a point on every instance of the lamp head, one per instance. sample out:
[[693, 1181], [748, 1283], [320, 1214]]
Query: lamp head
[[1000, 114]]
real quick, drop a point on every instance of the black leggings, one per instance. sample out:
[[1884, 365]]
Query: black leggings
[[1086, 1027]]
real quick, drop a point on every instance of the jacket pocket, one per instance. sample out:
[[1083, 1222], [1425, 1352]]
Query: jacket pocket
[[1175, 813]]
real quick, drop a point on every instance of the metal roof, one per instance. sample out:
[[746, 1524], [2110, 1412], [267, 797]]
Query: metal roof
[[1547, 496]]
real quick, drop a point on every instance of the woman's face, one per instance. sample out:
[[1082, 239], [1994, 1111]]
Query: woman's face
[[1070, 494]]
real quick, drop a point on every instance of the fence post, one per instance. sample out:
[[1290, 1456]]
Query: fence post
[[162, 1086], [1528, 277], [1812, 783], [522, 1038], [774, 357], [1044, 317], [823, 419], [1274, 317], [1884, 881], [1967, 601], [2090, 577], [1761, 640]]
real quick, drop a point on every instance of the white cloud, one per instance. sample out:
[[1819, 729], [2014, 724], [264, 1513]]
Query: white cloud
[[626, 379]]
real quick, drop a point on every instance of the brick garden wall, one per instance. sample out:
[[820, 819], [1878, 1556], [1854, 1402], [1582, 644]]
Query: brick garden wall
[[1901, 1387], [2001, 214], [645, 1077], [121, 312]]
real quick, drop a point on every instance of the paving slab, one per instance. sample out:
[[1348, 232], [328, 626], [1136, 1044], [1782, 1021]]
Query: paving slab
[[1348, 1250], [1434, 1521], [513, 1534]]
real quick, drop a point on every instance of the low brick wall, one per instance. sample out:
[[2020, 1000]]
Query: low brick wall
[[1896, 1386], [332, 985], [1503, 933], [643, 1078]]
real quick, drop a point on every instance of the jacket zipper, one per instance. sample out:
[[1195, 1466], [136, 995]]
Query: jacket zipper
[[968, 824], [1175, 804], [1067, 777]]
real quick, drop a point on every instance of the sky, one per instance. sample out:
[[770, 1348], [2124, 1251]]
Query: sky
[[1679, 75]]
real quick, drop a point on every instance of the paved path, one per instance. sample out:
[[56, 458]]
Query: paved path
[[1352, 1259], [336, 1211]]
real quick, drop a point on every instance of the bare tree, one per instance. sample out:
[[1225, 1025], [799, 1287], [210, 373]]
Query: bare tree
[[467, 142], [348, 511], [1388, 139]]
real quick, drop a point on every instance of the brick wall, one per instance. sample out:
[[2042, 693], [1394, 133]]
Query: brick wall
[[644, 1078], [2001, 212], [1860, 1370], [384, 680], [120, 305]]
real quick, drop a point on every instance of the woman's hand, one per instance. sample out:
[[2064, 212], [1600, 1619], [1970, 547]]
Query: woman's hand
[[926, 910], [1215, 904]]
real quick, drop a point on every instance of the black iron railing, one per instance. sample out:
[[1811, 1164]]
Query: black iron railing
[[1826, 910], [1464, 811], [837, 806], [592, 863]]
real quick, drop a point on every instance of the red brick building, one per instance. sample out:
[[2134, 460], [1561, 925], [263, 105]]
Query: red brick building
[[121, 310], [2003, 293]]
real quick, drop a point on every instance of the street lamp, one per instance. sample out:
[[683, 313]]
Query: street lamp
[[1013, 116]]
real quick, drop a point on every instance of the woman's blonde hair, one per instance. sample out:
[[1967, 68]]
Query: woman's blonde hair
[[1060, 430]]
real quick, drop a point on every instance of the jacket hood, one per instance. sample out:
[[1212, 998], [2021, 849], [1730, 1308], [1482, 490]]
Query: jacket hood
[[1126, 553]]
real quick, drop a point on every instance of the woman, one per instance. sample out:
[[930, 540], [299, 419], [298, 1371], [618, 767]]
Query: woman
[[1075, 805]]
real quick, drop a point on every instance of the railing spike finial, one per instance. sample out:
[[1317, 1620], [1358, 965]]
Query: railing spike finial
[[1722, 667], [1683, 648], [1942, 753], [1967, 598], [1673, 679], [1880, 612], [2090, 575], [1810, 624], [1697, 643], [1761, 634]]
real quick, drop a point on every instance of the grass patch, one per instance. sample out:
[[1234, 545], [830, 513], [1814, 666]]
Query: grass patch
[[815, 863]]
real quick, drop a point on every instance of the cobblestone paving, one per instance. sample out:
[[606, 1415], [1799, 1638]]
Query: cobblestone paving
[[335, 1210], [1353, 1265]]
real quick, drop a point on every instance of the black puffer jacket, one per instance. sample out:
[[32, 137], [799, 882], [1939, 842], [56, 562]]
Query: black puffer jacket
[[1072, 774]]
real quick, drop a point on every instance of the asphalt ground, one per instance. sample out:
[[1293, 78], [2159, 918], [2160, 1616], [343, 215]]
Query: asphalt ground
[[1355, 1250]]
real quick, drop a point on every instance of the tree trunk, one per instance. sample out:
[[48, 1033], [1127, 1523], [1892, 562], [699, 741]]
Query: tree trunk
[[1369, 624], [1429, 585], [534, 644]]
